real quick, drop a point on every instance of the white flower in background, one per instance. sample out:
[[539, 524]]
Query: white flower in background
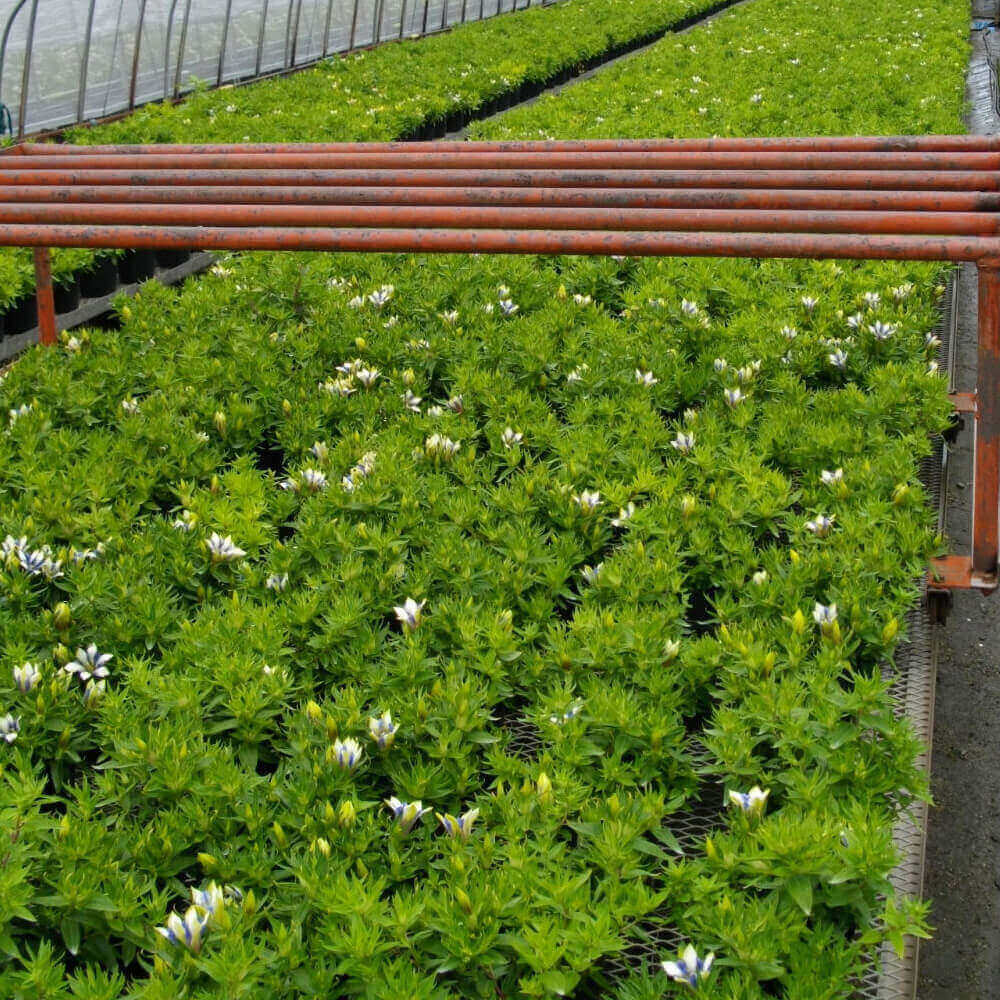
[[26, 677], [625, 514], [587, 500], [872, 299], [689, 308], [508, 308], [9, 727], [410, 614], [435, 411], [684, 442], [366, 464], [450, 317], [381, 296], [571, 713], [809, 303], [825, 616], [821, 526], [720, 365], [390, 323], [760, 577], [89, 663], [689, 968], [13, 546], [221, 272], [582, 300], [130, 405], [460, 826], [277, 582], [789, 332], [313, 480], [94, 692], [420, 345], [73, 345], [338, 387], [488, 308], [932, 368], [456, 404], [590, 574], [901, 292], [350, 367], [833, 478], [752, 802], [574, 376], [733, 397], [187, 931], [347, 753], [80, 556], [222, 550], [855, 320], [347, 484], [932, 341], [645, 378], [756, 98], [367, 376], [382, 730], [406, 813], [440, 446], [411, 402], [838, 359], [21, 411], [320, 451], [671, 647], [510, 437], [881, 331], [186, 521]]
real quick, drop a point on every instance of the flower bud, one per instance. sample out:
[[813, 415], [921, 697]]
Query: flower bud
[[322, 845], [64, 738], [329, 815], [409, 377], [347, 814], [286, 407], [313, 711], [61, 616], [544, 787], [798, 622], [249, 903], [207, 861], [279, 835], [61, 655], [688, 505], [462, 898], [360, 343], [900, 493], [361, 868], [219, 419], [890, 631], [794, 556]]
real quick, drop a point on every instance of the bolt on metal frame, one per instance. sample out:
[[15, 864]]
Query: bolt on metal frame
[[864, 198]]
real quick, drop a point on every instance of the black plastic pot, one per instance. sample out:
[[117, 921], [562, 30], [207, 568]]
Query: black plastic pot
[[66, 296], [171, 258], [22, 316], [101, 279], [137, 265]]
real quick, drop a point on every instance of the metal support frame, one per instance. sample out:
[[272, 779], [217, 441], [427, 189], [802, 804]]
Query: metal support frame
[[902, 198], [134, 79]]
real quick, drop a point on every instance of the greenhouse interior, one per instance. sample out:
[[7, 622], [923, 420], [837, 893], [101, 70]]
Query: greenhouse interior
[[500, 499]]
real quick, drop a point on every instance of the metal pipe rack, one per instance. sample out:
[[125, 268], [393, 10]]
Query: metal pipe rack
[[866, 198]]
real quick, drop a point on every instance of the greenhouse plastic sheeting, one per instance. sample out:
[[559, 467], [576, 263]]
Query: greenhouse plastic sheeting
[[92, 58]]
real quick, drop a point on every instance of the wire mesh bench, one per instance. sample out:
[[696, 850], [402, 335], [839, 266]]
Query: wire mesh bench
[[931, 198]]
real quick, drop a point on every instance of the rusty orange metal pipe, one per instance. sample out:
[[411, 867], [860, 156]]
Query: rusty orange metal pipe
[[877, 201], [903, 143], [531, 160], [661, 244], [885, 180], [508, 217]]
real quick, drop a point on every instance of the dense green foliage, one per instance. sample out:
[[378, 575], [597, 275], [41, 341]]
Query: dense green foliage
[[381, 94], [582, 671]]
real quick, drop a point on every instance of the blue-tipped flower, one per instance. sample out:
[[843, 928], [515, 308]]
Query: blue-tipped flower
[[689, 308], [689, 968], [733, 397], [222, 550], [881, 331], [383, 730], [407, 813], [625, 514], [410, 614], [833, 478], [94, 692], [571, 713], [684, 442], [821, 526], [751, 802], [9, 727], [647, 379], [825, 616], [89, 663], [809, 303], [187, 930], [277, 582], [511, 437], [460, 826], [587, 500], [590, 574], [838, 359], [347, 753], [26, 677]]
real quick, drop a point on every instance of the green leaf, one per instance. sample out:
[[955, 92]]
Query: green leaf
[[800, 888]]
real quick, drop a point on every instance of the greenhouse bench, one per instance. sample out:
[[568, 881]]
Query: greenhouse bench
[[932, 198]]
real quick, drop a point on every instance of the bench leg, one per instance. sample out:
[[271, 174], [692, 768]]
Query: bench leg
[[43, 293]]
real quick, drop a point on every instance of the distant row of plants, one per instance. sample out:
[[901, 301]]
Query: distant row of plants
[[372, 622], [389, 92]]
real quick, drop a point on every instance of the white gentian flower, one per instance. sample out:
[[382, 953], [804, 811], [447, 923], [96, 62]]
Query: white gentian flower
[[510, 437], [855, 320], [733, 397], [752, 802], [460, 826], [130, 405], [689, 968], [411, 402], [901, 292], [73, 345], [277, 582], [450, 317], [872, 299], [825, 616], [94, 692], [13, 546], [410, 614], [689, 308], [26, 677], [756, 98], [645, 378], [838, 359], [587, 500], [574, 376], [821, 526], [313, 480], [320, 451], [435, 411], [347, 753], [9, 727], [760, 577], [89, 663], [789, 332], [932, 368], [21, 411], [508, 308], [809, 303], [382, 730], [380, 296], [881, 331], [441, 446], [571, 713], [391, 322], [590, 574], [222, 550], [625, 514], [671, 647], [406, 813], [187, 931], [338, 387], [186, 521], [932, 341], [720, 365], [367, 376], [684, 442], [456, 404], [582, 300]]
